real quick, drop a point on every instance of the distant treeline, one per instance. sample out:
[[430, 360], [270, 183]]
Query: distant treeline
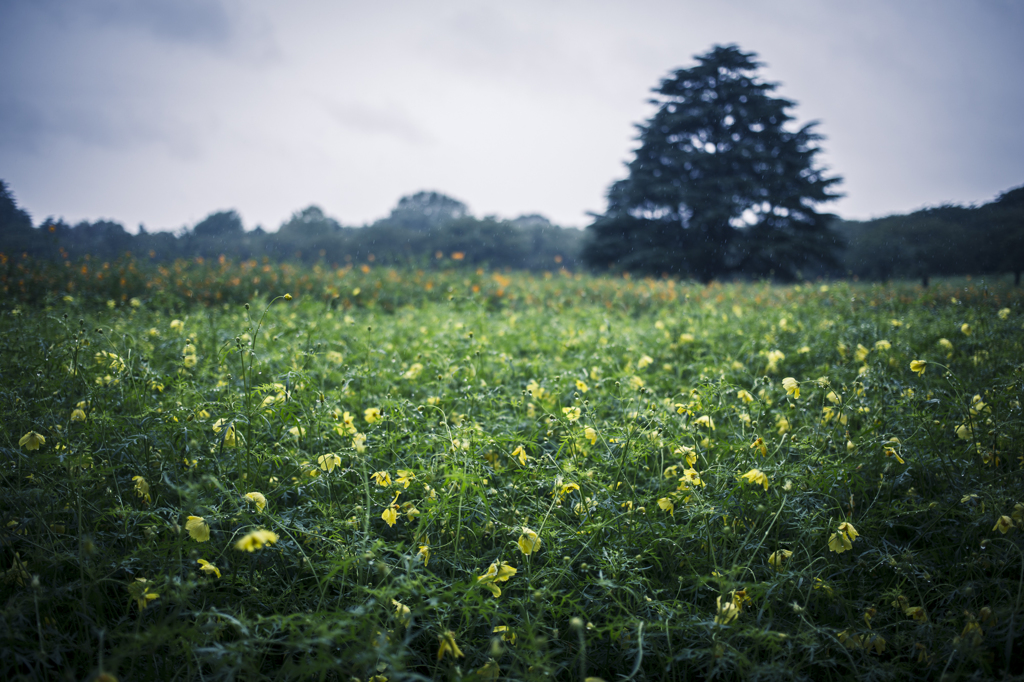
[[936, 242], [431, 228], [424, 228]]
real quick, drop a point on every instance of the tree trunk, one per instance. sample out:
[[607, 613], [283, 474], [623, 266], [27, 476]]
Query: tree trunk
[[924, 280], [1016, 278]]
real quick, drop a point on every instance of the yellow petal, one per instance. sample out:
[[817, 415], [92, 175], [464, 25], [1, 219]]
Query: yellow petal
[[197, 528]]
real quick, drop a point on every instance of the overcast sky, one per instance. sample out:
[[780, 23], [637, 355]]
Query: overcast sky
[[162, 111]]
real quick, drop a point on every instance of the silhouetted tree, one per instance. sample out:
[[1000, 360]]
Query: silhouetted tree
[[12, 218], [425, 210], [1006, 215], [219, 225], [719, 184]]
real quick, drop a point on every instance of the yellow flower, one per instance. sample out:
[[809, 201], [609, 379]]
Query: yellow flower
[[918, 613], [833, 398], [727, 612], [842, 540], [774, 358], [946, 344], [78, 415], [506, 634], [424, 551], [329, 462], [177, 325], [413, 371], [258, 499], [529, 542], [666, 505], [891, 452], [405, 477], [636, 383], [687, 452], [644, 361], [497, 572], [745, 396], [230, 439], [1003, 525], [535, 389], [371, 415], [566, 489], [760, 446], [783, 425], [287, 297], [861, 352], [571, 413], [297, 432], [706, 422], [520, 454], [590, 434], [381, 478], [918, 366], [32, 440], [139, 591], [776, 559], [206, 567], [198, 529], [792, 386], [963, 432], [1004, 313], [402, 612], [390, 515], [447, 645], [966, 329], [690, 477], [142, 488], [581, 386], [882, 344], [756, 476], [257, 539], [359, 442]]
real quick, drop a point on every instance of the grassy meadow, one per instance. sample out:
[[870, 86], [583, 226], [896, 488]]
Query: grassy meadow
[[244, 471]]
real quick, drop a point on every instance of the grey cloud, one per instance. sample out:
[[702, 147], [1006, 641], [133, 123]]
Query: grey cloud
[[194, 22], [390, 121]]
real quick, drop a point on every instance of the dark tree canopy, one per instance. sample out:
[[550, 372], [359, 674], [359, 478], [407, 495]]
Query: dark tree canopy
[[220, 224], [12, 218], [719, 185], [311, 222], [425, 210]]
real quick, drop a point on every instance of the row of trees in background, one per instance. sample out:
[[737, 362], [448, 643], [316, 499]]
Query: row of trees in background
[[423, 228], [934, 242]]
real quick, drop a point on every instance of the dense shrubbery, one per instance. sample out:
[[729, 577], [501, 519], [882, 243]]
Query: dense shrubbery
[[418, 233], [418, 475]]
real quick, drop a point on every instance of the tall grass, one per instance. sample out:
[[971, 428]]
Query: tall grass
[[414, 434]]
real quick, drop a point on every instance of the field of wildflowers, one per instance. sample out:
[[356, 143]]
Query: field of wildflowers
[[250, 471]]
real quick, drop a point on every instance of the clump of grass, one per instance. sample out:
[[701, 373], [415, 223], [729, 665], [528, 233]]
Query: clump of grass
[[579, 477]]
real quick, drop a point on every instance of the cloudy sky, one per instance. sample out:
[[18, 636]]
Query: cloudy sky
[[162, 111]]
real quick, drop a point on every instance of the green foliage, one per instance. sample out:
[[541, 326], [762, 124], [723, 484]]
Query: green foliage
[[425, 230], [222, 224], [719, 184], [938, 242], [619, 420]]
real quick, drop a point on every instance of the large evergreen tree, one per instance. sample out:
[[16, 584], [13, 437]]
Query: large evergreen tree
[[720, 183]]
